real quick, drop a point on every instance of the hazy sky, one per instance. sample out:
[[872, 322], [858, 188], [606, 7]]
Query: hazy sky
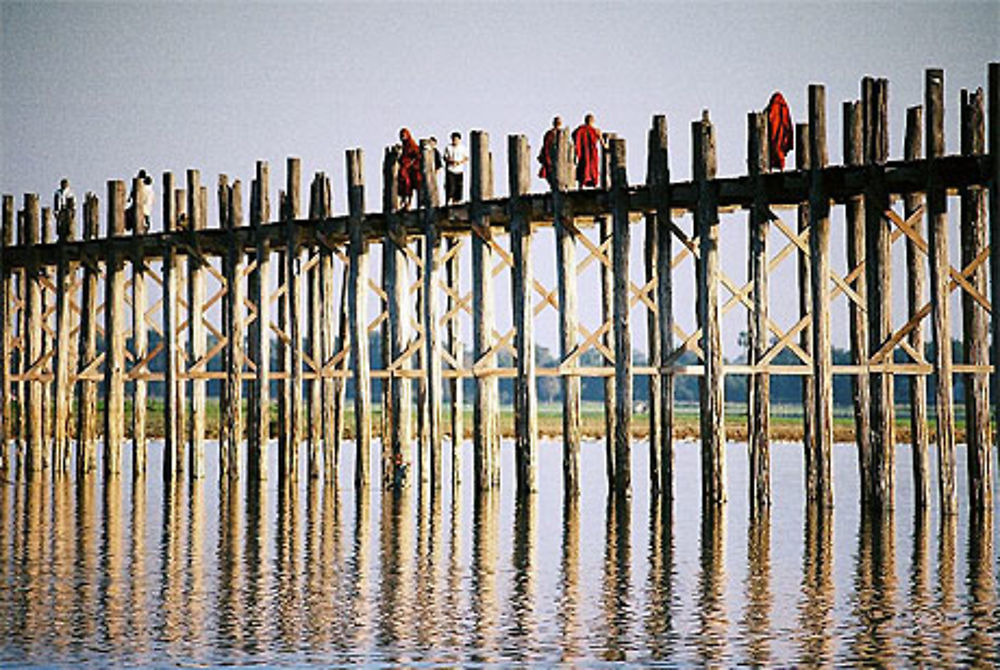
[[96, 91]]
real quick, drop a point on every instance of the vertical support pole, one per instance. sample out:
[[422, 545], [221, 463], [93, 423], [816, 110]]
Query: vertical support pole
[[819, 487], [288, 467], [802, 163], [315, 323], [525, 393], [86, 399], [114, 333], [878, 268], [196, 328], [233, 411], [7, 328], [485, 436], [140, 334], [561, 181], [328, 319], [396, 459], [759, 392], [659, 184], [222, 201], [432, 347], [457, 352], [46, 369], [180, 266], [854, 128], [607, 315], [173, 440], [937, 206], [358, 315], [916, 281], [621, 243], [65, 274], [706, 223], [994, 204], [260, 329], [31, 337], [974, 317]]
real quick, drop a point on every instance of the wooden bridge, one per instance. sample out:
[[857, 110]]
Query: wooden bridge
[[78, 309]]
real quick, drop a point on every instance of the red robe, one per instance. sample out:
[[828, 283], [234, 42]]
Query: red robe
[[409, 166], [780, 134], [545, 155], [586, 145]]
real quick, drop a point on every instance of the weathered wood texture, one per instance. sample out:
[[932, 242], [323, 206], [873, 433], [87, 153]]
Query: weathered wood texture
[[819, 486], [431, 200], [759, 392], [880, 480], [260, 330], [913, 204], [560, 181], [314, 326], [87, 358], [485, 428], [975, 320], [140, 331], [620, 246], [804, 271], [661, 347], [173, 440], [854, 212], [114, 334], [396, 448], [196, 328], [6, 335], [230, 453], [289, 455], [65, 354], [456, 352], [993, 128], [525, 393], [937, 210], [706, 225], [607, 315], [358, 316]]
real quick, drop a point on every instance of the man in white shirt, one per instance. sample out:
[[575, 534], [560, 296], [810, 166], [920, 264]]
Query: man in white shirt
[[455, 158], [143, 192], [62, 198]]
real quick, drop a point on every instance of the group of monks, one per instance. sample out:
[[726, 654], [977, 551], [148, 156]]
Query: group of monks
[[587, 143]]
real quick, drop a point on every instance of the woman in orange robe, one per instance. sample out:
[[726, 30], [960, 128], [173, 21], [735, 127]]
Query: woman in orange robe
[[409, 179]]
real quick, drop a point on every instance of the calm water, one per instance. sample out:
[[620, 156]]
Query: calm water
[[102, 573]]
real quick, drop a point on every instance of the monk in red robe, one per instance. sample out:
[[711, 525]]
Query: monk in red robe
[[586, 144], [409, 179], [545, 155], [780, 134]]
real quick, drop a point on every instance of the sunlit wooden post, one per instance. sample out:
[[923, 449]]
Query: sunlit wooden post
[[114, 332], [621, 242], [357, 311]]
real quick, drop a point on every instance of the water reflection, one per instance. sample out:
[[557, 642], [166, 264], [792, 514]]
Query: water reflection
[[138, 571]]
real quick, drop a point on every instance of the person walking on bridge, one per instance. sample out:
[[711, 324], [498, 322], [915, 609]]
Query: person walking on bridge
[[545, 154], [586, 145], [409, 179]]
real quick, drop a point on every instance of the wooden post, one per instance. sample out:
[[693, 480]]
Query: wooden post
[[658, 178], [260, 329], [86, 399], [974, 318], [607, 314], [457, 352], [858, 319], [196, 328], [525, 400], [621, 242], [288, 464], [916, 280], [173, 440], [819, 487], [759, 391], [432, 247], [222, 201], [46, 279], [994, 204], [65, 275], [233, 411], [878, 270], [937, 206], [314, 320], [802, 162], [485, 435], [560, 181], [140, 333], [706, 223], [396, 459], [327, 320], [31, 338], [358, 315], [114, 333], [7, 326]]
